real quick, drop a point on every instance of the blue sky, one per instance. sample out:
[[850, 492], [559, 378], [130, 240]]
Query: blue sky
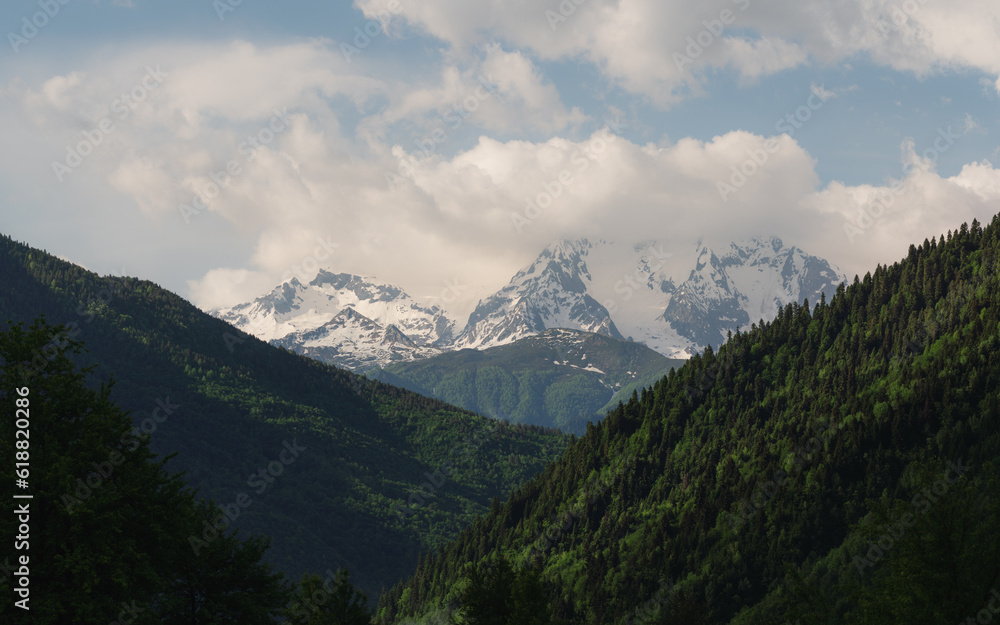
[[416, 151]]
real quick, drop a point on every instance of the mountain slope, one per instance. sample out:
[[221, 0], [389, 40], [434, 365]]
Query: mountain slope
[[760, 484], [549, 293], [749, 283], [355, 342], [557, 378], [328, 459], [599, 286], [343, 319], [604, 287]]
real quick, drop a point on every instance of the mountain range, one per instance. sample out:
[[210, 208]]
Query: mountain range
[[836, 464], [620, 291], [231, 404]]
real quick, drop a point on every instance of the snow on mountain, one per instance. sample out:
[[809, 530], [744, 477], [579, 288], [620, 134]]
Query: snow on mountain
[[616, 290], [356, 342], [344, 319], [551, 292], [749, 282], [634, 284], [621, 291]]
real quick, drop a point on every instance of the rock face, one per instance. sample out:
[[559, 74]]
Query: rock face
[[552, 292], [354, 322], [622, 292], [749, 282]]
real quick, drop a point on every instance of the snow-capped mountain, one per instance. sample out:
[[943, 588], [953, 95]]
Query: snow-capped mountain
[[549, 293], [628, 292], [356, 342], [344, 319], [616, 290], [749, 282]]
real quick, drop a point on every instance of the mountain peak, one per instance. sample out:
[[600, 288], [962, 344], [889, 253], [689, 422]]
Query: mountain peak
[[751, 281], [356, 314], [631, 293], [551, 292]]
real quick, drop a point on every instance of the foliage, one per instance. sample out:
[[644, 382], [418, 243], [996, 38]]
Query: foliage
[[559, 378], [116, 536], [501, 596], [234, 402], [764, 469], [331, 602]]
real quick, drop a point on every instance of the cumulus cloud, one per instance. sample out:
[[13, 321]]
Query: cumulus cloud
[[247, 141], [663, 49], [478, 216], [877, 223], [498, 91]]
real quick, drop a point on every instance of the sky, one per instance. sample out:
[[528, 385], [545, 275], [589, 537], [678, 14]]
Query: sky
[[218, 147]]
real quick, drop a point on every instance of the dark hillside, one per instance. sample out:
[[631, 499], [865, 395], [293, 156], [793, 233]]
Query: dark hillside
[[231, 405], [762, 480]]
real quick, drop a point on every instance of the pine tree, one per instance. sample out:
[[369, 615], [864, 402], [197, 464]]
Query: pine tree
[[109, 528], [334, 601]]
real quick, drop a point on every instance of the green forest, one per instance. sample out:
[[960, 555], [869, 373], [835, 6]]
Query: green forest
[[837, 464], [529, 381], [229, 404]]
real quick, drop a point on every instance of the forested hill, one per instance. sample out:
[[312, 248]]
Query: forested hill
[[557, 378], [232, 405], [837, 464]]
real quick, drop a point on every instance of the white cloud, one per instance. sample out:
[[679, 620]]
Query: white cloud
[[454, 219], [497, 91], [526, 99], [662, 49], [755, 58], [919, 206]]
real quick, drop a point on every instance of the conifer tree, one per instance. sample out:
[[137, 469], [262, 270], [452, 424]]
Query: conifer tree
[[109, 527]]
